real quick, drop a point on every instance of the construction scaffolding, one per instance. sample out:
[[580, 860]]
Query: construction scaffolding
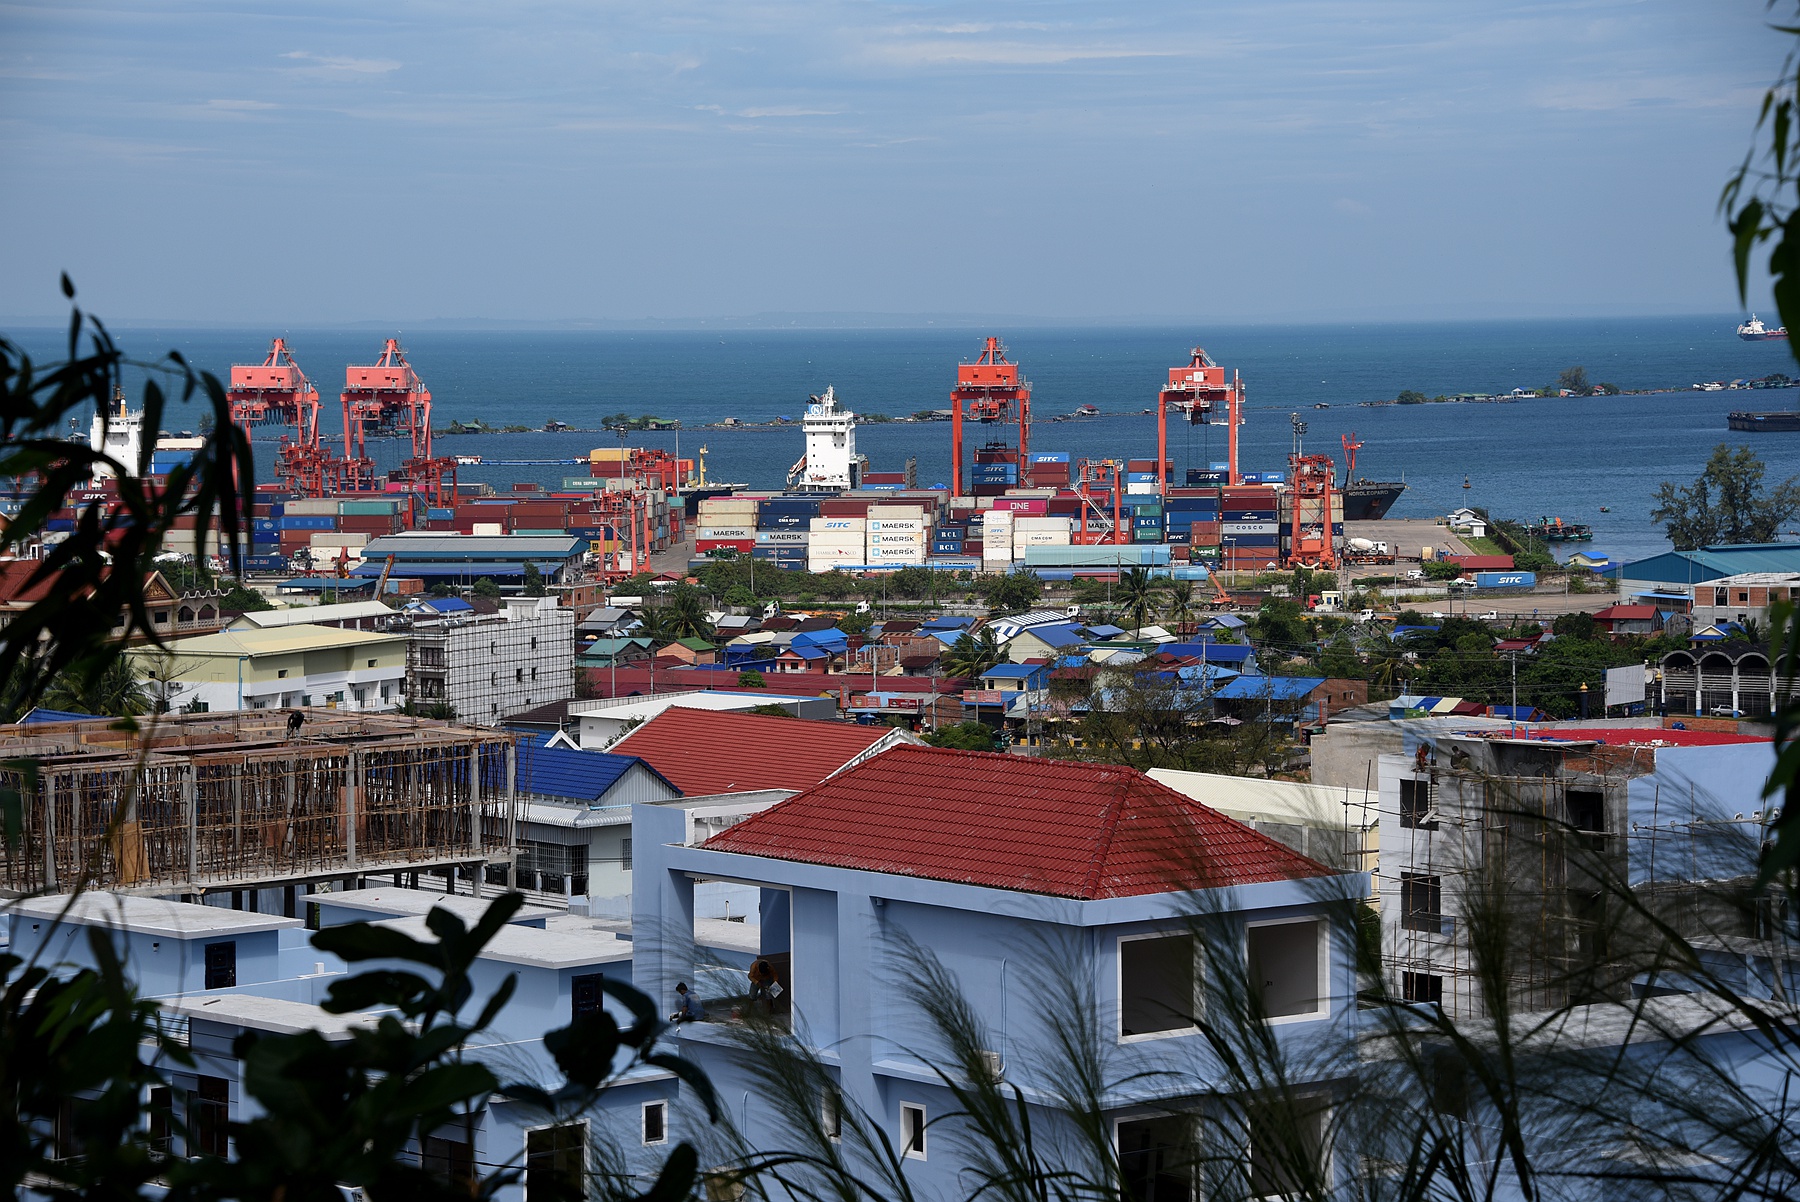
[[254, 799]]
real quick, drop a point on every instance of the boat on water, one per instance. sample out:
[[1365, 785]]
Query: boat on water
[[1091, 411], [1781, 421], [1755, 331]]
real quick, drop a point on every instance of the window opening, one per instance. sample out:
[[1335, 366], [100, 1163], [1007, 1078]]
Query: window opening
[[1156, 985], [1284, 965], [912, 1130], [1421, 902], [221, 965], [555, 1163], [656, 1123]]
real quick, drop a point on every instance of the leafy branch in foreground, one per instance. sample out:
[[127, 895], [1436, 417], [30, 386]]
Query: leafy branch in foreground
[[92, 580]]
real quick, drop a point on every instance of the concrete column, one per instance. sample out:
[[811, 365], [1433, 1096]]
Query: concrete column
[[190, 804], [49, 829], [352, 804]]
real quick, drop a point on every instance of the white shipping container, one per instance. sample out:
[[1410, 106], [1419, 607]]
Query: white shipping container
[[330, 539], [835, 540], [896, 524], [709, 531], [1040, 523], [829, 525], [310, 508], [1031, 492], [897, 511], [487, 530], [781, 538], [905, 538], [1146, 489]]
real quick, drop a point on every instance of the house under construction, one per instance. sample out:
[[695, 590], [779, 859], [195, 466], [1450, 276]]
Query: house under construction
[[255, 800], [1530, 865]]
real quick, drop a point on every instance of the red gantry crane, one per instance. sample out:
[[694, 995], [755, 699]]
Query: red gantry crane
[[276, 390], [1199, 388], [384, 395], [995, 392]]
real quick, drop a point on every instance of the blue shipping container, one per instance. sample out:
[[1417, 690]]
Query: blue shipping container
[[1198, 476], [306, 521], [1506, 580], [265, 563], [1050, 457]]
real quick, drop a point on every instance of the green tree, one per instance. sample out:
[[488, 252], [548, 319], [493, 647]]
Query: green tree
[[118, 692], [1136, 595], [1411, 396], [534, 580], [1575, 380], [1280, 626], [973, 654], [750, 679], [1180, 606], [964, 736], [770, 709], [485, 587], [1727, 504], [1014, 591]]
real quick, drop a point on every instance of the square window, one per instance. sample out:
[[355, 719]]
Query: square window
[[1157, 1157], [221, 965], [371, 663], [281, 673], [656, 1123], [1421, 902], [1415, 806], [912, 1130], [1156, 985], [1284, 966], [556, 1163], [451, 1161], [1422, 987]]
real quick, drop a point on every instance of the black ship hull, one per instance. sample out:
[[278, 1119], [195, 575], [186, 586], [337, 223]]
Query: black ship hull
[[1780, 422], [1369, 500]]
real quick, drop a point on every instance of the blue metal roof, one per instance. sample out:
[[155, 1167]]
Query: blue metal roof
[[1224, 622], [40, 714], [1014, 671], [1710, 563], [1273, 688], [831, 638], [578, 775], [949, 622], [1398, 631], [448, 605], [1105, 632], [1055, 635]]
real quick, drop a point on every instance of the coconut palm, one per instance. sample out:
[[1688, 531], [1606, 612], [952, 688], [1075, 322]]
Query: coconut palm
[[118, 692], [1137, 596], [1180, 607], [973, 654]]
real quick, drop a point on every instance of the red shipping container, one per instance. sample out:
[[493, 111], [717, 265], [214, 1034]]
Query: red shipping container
[[703, 545], [1021, 505], [844, 509], [1482, 563]]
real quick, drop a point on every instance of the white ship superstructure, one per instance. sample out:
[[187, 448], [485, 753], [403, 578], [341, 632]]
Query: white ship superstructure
[[830, 463], [119, 434]]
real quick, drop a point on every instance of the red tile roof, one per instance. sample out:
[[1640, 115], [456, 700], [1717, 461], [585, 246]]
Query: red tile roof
[[712, 751], [1055, 827], [1625, 613]]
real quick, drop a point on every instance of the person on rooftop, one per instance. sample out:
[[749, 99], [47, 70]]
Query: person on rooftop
[[687, 1005]]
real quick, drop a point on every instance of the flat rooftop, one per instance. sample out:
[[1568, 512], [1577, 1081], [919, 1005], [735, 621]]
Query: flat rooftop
[[148, 915], [407, 903], [277, 1016], [534, 948]]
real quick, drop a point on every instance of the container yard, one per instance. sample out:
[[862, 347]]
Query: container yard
[[1008, 504]]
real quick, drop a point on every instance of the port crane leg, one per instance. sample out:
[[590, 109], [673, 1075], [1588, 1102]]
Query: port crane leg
[[1234, 416], [1162, 446], [956, 447]]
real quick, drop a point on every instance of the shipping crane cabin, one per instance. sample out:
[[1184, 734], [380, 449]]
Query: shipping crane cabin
[[276, 390], [380, 395], [1200, 390], [994, 391]]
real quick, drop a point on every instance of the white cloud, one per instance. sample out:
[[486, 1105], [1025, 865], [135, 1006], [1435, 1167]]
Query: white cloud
[[337, 64], [240, 106]]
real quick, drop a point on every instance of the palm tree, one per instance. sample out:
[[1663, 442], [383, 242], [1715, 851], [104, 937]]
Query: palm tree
[[971, 655], [1137, 596], [1180, 607], [118, 692], [684, 617]]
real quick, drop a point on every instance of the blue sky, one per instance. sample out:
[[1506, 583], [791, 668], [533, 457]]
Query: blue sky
[[540, 162]]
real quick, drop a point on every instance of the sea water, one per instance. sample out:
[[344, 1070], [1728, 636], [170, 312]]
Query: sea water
[[1558, 456]]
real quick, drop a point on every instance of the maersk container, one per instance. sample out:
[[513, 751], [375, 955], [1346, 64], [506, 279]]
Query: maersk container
[[1506, 580]]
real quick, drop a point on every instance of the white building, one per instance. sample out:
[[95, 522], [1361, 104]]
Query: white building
[[600, 723], [489, 667], [277, 669]]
